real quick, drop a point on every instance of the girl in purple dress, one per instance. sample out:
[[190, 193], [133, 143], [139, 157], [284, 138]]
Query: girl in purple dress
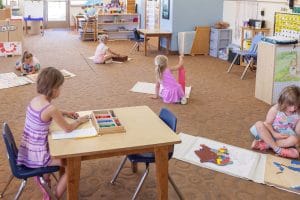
[[34, 150], [172, 91]]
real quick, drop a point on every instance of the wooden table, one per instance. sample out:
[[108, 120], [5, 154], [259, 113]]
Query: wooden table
[[145, 132], [156, 33]]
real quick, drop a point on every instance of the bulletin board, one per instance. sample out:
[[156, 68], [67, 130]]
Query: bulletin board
[[287, 25]]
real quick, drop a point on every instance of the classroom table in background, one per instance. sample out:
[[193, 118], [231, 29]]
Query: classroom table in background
[[145, 132], [34, 20], [156, 33]]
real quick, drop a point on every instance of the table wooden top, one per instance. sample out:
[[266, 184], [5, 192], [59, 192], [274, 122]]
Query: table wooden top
[[144, 129], [154, 31]]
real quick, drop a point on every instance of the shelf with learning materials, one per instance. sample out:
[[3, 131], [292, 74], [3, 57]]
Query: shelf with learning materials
[[118, 25], [246, 37], [87, 28], [219, 40]]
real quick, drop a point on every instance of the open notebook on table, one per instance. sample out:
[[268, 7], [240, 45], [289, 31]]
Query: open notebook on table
[[100, 122], [84, 130]]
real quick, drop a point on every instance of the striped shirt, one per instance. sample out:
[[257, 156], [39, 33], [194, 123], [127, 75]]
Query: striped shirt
[[34, 150]]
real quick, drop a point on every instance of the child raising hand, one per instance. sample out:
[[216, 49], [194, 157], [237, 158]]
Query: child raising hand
[[281, 128], [172, 91], [34, 151]]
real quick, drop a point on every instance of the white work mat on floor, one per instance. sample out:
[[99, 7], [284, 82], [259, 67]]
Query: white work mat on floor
[[149, 88], [8, 80], [260, 168], [66, 74]]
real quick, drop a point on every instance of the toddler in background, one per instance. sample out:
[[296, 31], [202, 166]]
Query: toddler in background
[[29, 64], [103, 52], [281, 129], [172, 91], [34, 148]]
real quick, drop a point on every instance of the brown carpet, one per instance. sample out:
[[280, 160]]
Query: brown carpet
[[222, 107]]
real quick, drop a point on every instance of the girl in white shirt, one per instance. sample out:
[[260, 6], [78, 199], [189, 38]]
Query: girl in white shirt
[[103, 52]]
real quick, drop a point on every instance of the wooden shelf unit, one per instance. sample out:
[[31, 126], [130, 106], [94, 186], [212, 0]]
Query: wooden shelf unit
[[88, 29], [253, 32], [117, 25]]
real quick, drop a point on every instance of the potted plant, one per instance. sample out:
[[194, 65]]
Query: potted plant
[[1, 5]]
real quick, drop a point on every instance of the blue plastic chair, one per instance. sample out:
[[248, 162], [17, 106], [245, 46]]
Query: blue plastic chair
[[138, 41], [21, 171], [170, 119], [249, 55]]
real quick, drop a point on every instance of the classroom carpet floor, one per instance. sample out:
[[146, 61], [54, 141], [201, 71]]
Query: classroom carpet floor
[[221, 107]]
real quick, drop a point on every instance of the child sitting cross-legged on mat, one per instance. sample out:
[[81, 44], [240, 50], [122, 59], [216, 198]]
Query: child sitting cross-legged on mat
[[281, 129], [103, 53], [29, 64], [172, 91]]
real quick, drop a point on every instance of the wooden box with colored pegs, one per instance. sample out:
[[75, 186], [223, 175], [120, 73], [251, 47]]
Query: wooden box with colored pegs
[[120, 58], [105, 121]]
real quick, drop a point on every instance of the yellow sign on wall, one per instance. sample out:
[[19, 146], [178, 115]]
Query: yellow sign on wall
[[287, 24]]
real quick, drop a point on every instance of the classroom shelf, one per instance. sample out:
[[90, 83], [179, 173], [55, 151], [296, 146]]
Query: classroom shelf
[[121, 25]]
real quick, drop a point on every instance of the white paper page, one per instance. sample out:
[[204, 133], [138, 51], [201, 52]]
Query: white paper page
[[8, 80], [81, 133], [67, 74], [258, 173], [186, 142], [243, 160], [149, 88], [84, 130]]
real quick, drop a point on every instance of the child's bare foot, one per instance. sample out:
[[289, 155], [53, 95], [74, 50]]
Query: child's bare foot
[[289, 153], [259, 145]]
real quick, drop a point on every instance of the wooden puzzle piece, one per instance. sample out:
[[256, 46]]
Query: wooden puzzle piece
[[218, 157]]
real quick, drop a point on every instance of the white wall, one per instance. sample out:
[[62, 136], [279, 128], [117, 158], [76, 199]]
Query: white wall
[[185, 15], [141, 10], [74, 10], [235, 12]]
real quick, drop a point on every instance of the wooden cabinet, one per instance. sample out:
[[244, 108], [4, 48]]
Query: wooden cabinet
[[117, 26], [130, 6], [201, 41], [88, 28], [278, 66], [12, 30], [5, 13]]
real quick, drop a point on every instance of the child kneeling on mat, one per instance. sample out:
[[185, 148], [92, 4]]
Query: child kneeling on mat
[[172, 91]]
